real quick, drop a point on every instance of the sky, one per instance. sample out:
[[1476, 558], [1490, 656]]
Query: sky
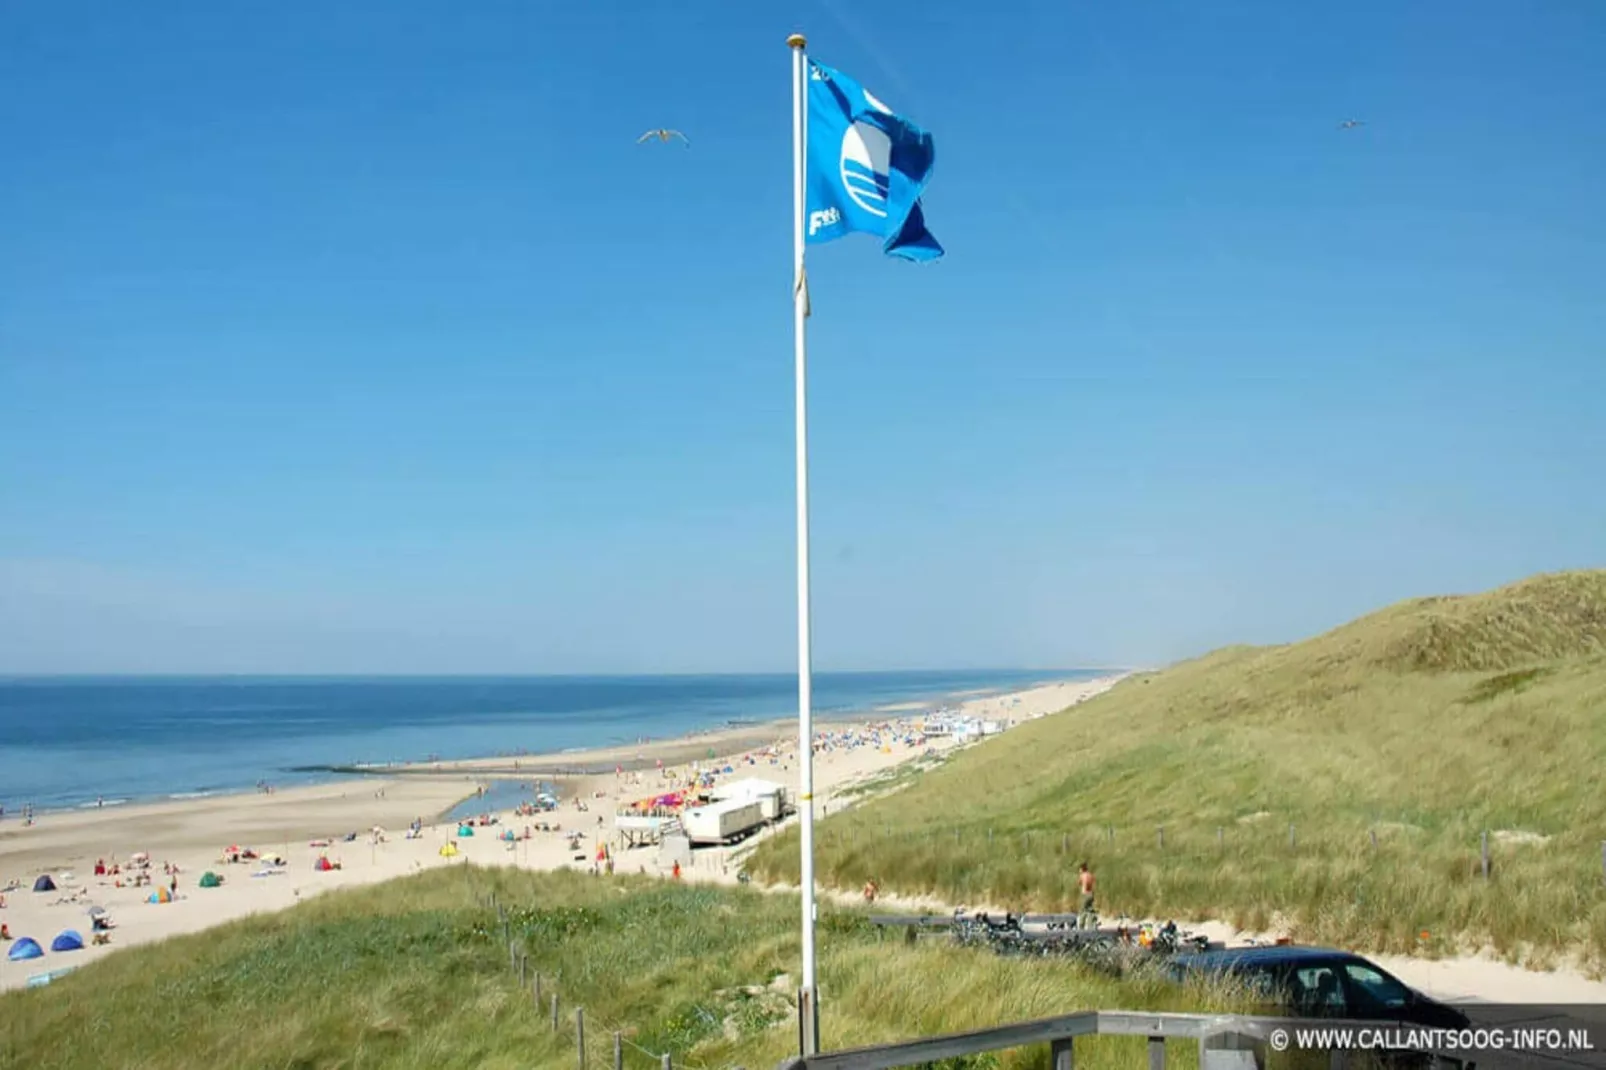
[[365, 338]]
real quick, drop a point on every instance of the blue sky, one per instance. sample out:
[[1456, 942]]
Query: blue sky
[[365, 338]]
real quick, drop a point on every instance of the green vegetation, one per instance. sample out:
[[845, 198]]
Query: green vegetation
[[415, 974], [1423, 725]]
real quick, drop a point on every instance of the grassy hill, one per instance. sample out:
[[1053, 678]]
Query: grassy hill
[[1390, 745], [415, 974]]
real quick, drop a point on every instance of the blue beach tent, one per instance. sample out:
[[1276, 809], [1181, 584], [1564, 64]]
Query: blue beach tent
[[44, 883], [67, 940], [25, 948]]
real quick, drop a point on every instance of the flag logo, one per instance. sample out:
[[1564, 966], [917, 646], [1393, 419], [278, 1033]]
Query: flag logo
[[867, 167]]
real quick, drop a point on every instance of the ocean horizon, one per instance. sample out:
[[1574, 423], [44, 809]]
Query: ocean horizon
[[80, 741]]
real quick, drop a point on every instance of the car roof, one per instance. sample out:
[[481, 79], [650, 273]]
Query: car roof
[[1280, 955]]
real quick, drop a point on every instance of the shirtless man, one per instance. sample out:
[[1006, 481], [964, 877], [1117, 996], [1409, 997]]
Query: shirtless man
[[1084, 884]]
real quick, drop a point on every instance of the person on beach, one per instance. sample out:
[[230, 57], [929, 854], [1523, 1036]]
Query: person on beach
[[1084, 883]]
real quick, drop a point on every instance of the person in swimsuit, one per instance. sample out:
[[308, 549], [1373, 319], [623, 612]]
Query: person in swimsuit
[[1084, 884]]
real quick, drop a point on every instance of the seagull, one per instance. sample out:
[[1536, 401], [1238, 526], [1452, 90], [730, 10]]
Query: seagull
[[1351, 124], [662, 135]]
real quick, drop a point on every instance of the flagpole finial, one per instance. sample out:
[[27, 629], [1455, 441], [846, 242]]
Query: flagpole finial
[[797, 40]]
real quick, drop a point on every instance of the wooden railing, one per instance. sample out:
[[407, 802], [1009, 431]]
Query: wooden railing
[[1225, 1041]]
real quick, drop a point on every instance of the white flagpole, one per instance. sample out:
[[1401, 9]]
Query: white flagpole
[[808, 1009]]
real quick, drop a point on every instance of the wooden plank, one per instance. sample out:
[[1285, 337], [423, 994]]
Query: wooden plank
[[954, 1045], [1057, 1032]]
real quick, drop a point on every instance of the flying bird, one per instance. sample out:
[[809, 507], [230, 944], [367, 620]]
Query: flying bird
[[1351, 124], [662, 135]]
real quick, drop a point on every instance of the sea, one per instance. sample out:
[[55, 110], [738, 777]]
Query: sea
[[71, 742]]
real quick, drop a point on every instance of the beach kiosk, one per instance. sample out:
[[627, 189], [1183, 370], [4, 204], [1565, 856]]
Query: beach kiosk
[[771, 797]]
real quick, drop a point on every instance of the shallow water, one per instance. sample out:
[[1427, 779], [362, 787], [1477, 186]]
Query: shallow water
[[69, 742]]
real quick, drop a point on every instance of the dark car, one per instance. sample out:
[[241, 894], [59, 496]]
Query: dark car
[[1315, 982]]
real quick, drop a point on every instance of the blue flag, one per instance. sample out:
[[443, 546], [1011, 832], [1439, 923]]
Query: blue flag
[[866, 168]]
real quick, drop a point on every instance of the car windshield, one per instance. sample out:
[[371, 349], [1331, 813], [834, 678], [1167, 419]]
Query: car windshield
[[1375, 987]]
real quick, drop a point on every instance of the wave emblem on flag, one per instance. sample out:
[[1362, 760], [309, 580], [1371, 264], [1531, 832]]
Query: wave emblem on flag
[[866, 167], [867, 162]]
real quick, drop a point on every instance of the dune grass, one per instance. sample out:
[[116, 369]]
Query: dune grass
[[1390, 745], [415, 974]]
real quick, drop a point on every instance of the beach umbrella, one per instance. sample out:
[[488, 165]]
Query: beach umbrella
[[97, 912]]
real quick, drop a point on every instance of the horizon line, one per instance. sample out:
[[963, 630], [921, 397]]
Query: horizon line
[[481, 675]]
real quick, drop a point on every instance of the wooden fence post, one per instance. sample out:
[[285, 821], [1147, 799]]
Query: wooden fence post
[[580, 1035], [1065, 843], [524, 964], [1159, 835], [1062, 1055], [1374, 838], [512, 956], [554, 1012], [668, 1064], [618, 1051], [1293, 841], [537, 991], [1221, 838], [1484, 850], [1111, 830]]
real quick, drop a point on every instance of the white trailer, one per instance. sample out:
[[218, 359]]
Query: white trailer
[[769, 795], [722, 822]]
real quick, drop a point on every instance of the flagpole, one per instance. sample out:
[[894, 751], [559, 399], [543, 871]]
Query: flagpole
[[808, 996]]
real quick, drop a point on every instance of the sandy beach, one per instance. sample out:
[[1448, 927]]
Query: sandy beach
[[304, 824]]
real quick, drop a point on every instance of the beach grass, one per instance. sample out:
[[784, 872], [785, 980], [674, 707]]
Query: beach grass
[[1342, 787], [416, 973]]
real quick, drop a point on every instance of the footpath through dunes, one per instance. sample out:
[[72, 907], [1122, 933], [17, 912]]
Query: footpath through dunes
[[1346, 789], [416, 974]]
